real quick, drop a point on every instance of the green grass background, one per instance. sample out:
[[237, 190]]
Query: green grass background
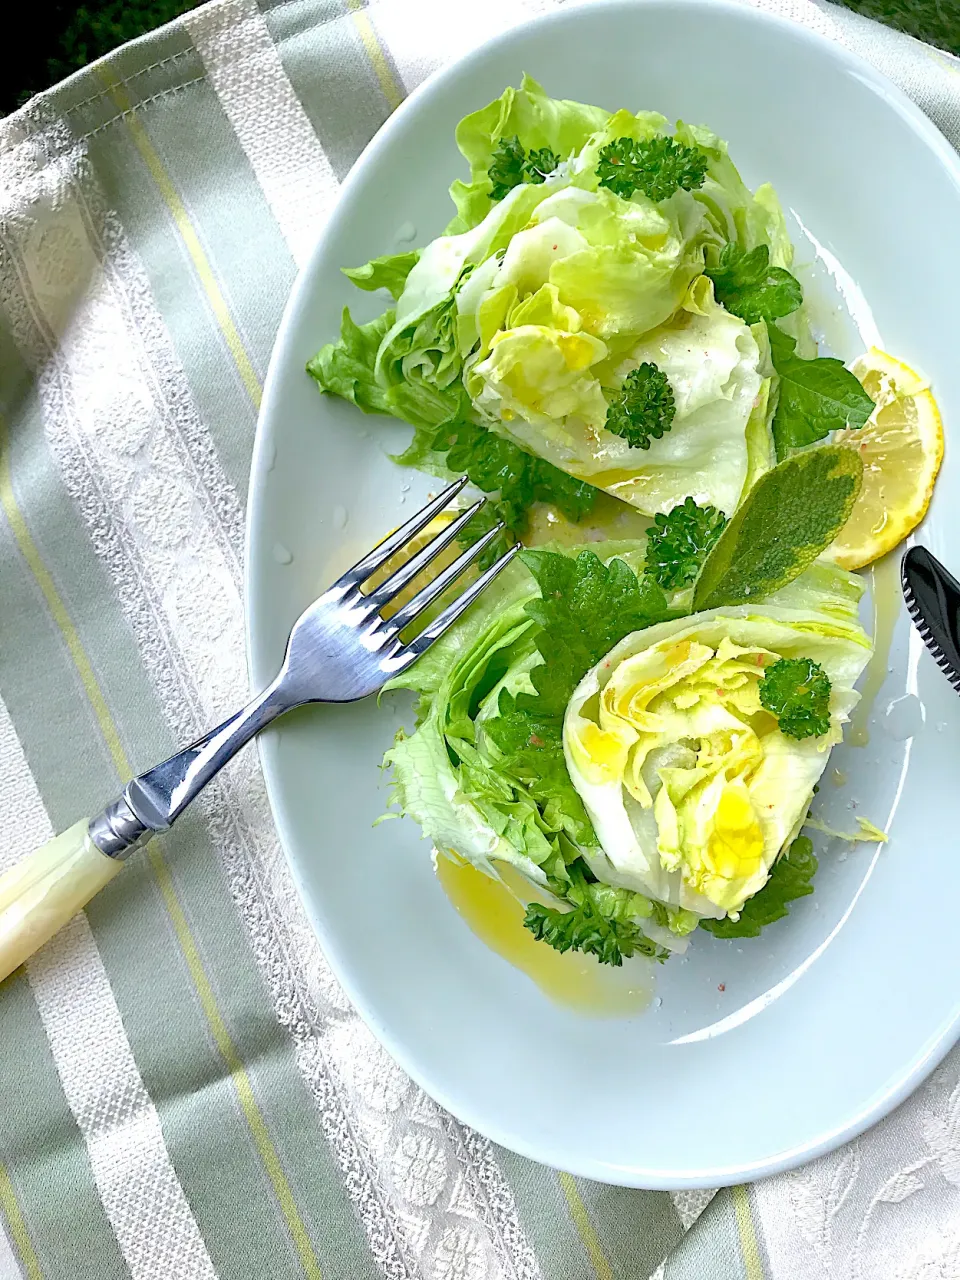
[[61, 36]]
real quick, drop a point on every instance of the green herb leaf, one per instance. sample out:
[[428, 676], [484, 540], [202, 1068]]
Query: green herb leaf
[[585, 608], [497, 466], [678, 543], [600, 922], [797, 692], [815, 396], [750, 288], [389, 272], [644, 408], [511, 166], [539, 163], [507, 168], [790, 878], [790, 515], [585, 929], [656, 166], [531, 747], [486, 518]]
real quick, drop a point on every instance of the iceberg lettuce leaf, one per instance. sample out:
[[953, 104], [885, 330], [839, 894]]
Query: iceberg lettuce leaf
[[790, 878], [389, 272], [537, 121]]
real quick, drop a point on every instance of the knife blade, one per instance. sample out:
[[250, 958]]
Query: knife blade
[[932, 595]]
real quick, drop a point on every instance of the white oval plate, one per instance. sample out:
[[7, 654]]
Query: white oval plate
[[831, 1016]]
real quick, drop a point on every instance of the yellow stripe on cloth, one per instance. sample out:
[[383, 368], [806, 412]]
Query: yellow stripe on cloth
[[18, 1230], [178, 211], [752, 1262], [585, 1229], [221, 1035], [390, 87]]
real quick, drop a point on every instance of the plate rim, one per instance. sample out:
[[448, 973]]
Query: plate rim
[[634, 1176]]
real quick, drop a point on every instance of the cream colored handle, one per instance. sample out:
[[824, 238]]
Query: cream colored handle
[[40, 893]]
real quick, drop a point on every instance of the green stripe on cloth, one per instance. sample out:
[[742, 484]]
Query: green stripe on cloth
[[711, 1247], [635, 1230], [599, 1262], [194, 1097], [221, 306], [346, 105], [44, 1158], [379, 56], [747, 1231], [236, 234], [545, 1212], [70, 570], [163, 62]]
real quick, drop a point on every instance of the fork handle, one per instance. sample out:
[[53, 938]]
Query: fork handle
[[47, 888], [39, 894]]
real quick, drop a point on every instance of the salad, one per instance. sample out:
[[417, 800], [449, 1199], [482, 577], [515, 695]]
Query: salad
[[610, 325]]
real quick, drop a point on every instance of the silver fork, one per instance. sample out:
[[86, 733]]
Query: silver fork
[[340, 649]]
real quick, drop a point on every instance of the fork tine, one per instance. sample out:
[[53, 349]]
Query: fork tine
[[406, 654], [399, 538], [435, 588], [386, 591]]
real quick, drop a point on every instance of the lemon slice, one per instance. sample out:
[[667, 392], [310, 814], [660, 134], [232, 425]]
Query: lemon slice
[[901, 446]]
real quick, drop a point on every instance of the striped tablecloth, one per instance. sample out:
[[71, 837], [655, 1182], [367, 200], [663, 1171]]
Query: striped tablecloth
[[184, 1091]]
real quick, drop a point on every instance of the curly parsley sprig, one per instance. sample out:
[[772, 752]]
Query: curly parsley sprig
[[539, 164], [511, 166], [601, 920], [679, 542], [797, 692], [644, 408], [657, 167], [585, 929]]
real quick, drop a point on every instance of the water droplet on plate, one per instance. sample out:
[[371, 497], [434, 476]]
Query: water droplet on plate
[[405, 232], [941, 725], [282, 554], [270, 457], [657, 1002], [904, 717], [340, 517]]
